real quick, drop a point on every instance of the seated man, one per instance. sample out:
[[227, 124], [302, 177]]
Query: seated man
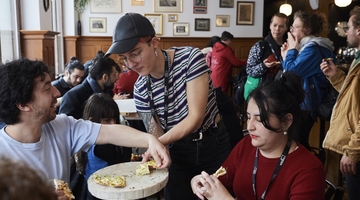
[[102, 76], [45, 141], [74, 72]]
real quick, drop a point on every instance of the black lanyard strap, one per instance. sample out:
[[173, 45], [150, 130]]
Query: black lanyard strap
[[273, 51], [166, 92], [276, 171]]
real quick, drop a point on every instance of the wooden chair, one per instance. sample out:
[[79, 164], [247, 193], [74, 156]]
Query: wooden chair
[[333, 192]]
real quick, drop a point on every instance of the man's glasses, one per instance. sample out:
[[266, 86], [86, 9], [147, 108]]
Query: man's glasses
[[133, 57]]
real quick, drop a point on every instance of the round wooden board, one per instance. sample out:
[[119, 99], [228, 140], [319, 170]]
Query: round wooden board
[[136, 186]]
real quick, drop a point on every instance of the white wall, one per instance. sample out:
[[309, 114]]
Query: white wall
[[34, 16], [70, 19]]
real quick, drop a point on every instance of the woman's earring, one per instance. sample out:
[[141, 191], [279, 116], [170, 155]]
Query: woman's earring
[[155, 53], [285, 132]]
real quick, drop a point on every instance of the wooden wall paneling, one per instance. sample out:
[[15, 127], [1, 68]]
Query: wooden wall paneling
[[39, 45], [69, 48], [87, 47]]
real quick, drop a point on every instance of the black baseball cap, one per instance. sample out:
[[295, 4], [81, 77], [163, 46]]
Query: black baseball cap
[[128, 30]]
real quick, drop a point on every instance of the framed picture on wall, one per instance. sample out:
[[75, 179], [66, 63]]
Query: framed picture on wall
[[200, 3], [105, 6], [199, 10], [180, 29], [222, 20], [168, 5], [226, 3], [172, 17], [245, 13], [156, 21], [137, 2], [97, 24], [202, 24]]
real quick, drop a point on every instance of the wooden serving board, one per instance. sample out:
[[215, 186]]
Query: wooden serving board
[[136, 186]]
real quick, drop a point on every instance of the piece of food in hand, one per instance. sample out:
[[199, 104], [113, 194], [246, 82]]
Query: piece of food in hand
[[220, 172], [328, 59], [145, 168], [111, 181], [64, 187], [277, 62], [135, 157]]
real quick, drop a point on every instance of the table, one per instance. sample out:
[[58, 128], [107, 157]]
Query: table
[[136, 186]]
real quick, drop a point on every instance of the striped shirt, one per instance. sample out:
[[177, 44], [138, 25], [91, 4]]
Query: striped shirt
[[189, 63]]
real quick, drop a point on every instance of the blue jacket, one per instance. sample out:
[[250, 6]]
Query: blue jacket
[[305, 62]]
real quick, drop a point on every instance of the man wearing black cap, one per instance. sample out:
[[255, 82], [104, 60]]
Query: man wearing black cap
[[174, 96]]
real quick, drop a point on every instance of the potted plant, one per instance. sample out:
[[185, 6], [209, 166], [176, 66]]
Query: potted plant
[[79, 6]]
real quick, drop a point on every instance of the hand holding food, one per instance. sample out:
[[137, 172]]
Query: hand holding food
[[64, 187], [220, 172]]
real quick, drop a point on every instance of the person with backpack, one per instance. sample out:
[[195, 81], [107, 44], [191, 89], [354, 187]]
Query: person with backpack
[[344, 131], [302, 53], [263, 60]]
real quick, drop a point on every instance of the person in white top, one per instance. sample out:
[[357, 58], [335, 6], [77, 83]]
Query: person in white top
[[45, 141]]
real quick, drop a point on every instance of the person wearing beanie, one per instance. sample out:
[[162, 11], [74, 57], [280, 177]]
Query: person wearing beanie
[[175, 98]]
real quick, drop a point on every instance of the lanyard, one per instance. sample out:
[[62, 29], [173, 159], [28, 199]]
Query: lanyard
[[166, 93], [273, 51], [276, 171]]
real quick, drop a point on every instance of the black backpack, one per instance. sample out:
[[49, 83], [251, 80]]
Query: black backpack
[[231, 121], [238, 82]]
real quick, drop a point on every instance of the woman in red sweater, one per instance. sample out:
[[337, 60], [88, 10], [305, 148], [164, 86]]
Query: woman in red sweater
[[268, 164]]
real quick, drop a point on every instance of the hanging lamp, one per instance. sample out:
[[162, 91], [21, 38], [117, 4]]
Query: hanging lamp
[[342, 3], [286, 8]]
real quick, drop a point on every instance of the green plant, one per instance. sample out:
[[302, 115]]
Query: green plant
[[79, 6]]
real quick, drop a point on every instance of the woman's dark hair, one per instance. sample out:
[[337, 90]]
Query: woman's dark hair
[[315, 22], [280, 97], [100, 105], [213, 40], [74, 64], [17, 80]]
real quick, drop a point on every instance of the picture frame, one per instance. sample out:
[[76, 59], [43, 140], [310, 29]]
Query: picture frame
[[172, 17], [137, 2], [245, 13], [97, 24], [105, 6], [170, 6], [200, 10], [202, 24], [181, 28], [200, 3], [222, 20], [226, 3], [156, 21]]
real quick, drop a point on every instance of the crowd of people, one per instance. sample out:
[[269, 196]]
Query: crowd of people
[[174, 94]]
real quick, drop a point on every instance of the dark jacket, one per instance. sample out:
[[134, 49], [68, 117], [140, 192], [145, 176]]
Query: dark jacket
[[61, 85]]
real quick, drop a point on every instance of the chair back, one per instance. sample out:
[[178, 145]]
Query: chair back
[[332, 191]]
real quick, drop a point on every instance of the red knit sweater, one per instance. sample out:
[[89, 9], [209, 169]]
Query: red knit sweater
[[301, 177], [126, 82]]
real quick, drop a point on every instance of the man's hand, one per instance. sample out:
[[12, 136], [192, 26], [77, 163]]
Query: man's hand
[[328, 67], [347, 166], [61, 195], [158, 152]]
